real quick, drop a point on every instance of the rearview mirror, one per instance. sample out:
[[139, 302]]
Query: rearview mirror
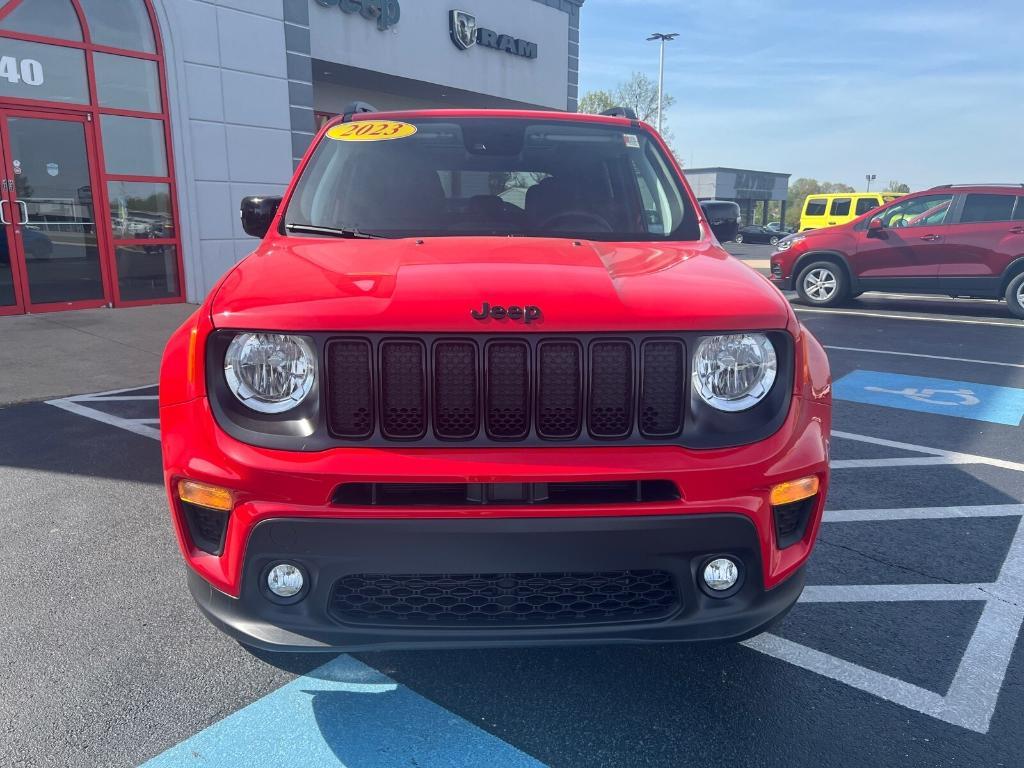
[[258, 213]]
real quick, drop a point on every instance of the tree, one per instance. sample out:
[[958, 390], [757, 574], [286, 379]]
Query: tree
[[898, 186], [639, 93], [596, 102], [801, 188]]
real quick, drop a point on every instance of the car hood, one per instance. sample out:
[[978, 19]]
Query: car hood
[[313, 284]]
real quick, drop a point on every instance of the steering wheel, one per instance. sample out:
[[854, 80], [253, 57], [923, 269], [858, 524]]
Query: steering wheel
[[601, 224], [900, 222]]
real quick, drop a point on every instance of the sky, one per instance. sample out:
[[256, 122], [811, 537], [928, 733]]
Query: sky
[[924, 92]]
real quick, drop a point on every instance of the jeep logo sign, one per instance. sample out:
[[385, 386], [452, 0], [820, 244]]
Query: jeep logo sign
[[386, 12], [526, 314], [465, 33]]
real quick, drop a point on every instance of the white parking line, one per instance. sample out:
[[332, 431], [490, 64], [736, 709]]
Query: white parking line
[[973, 695], [79, 405], [929, 357], [922, 513], [945, 457], [962, 321]]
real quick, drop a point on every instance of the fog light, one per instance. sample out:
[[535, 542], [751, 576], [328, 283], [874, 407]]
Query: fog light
[[285, 580], [721, 574]]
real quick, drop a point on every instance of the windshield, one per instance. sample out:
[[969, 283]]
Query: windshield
[[489, 176]]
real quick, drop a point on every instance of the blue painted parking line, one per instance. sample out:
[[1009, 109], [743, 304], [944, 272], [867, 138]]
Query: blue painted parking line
[[343, 714], [963, 399]]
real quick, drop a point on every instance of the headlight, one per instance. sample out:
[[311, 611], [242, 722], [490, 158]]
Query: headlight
[[270, 372], [733, 373], [789, 242]]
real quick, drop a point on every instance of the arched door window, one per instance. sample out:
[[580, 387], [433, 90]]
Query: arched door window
[[104, 59]]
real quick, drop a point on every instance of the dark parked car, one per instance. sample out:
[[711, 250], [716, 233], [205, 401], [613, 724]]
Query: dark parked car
[[724, 218], [759, 234]]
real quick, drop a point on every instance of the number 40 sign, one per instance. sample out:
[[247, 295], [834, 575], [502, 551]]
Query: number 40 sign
[[28, 71]]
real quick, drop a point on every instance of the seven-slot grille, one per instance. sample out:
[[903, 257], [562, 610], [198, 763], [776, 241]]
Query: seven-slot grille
[[501, 389]]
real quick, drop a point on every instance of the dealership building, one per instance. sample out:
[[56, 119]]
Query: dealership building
[[131, 129], [747, 188]]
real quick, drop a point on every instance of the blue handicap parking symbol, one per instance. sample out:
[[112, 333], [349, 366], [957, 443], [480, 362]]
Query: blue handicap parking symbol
[[342, 714], [963, 399]]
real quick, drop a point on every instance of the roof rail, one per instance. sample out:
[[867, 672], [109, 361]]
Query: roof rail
[[984, 184], [625, 112], [357, 108]]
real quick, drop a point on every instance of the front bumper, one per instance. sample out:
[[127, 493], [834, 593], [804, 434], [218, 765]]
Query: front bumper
[[329, 549]]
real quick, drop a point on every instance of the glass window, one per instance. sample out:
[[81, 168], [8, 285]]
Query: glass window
[[815, 207], [987, 208], [123, 82], [1018, 212], [48, 18], [140, 209], [147, 272], [841, 206], [866, 204], [134, 146], [122, 24], [927, 210], [526, 177], [40, 71], [53, 187]]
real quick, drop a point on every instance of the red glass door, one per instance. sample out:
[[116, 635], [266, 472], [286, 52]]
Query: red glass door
[[55, 238]]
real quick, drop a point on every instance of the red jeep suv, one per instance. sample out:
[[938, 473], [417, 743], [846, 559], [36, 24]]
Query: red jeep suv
[[489, 379], [960, 240]]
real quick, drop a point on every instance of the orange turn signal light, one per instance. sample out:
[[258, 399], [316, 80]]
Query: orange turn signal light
[[794, 490], [204, 495]]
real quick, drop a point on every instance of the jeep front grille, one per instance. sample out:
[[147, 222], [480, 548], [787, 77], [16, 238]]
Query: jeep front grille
[[497, 389]]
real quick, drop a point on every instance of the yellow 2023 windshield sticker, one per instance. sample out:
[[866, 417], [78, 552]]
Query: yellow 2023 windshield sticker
[[371, 130]]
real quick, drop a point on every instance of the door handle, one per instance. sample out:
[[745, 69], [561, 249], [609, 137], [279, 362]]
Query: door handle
[[1019, 230], [928, 238], [24, 212], [3, 216]]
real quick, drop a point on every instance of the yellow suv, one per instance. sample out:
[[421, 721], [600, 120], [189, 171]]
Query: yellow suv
[[840, 207]]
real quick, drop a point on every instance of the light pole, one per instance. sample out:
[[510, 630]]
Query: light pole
[[662, 38], [870, 177]]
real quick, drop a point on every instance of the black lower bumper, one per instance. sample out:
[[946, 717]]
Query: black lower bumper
[[332, 550]]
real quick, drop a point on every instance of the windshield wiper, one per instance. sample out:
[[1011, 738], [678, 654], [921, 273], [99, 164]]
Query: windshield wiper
[[349, 232]]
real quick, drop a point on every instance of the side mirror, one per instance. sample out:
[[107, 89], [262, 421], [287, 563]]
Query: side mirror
[[875, 227], [258, 213]]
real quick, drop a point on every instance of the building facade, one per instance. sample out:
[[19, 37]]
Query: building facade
[[130, 130], [742, 186]]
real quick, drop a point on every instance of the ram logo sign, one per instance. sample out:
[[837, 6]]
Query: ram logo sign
[[466, 33]]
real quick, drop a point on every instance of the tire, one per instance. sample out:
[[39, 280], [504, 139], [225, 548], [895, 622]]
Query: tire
[[739, 238], [1015, 296], [822, 284], [773, 240]]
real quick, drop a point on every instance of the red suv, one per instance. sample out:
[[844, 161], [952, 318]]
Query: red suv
[[490, 379], [960, 240]]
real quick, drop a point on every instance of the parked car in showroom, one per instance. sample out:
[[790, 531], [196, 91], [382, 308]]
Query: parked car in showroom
[[416, 417], [755, 233], [957, 240]]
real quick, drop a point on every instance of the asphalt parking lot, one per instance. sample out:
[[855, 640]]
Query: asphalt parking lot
[[905, 649]]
